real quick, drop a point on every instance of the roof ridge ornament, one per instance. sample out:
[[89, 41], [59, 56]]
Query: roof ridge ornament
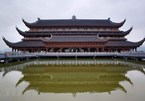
[[16, 27], [125, 19], [38, 19], [73, 17], [141, 42], [3, 37], [109, 18]]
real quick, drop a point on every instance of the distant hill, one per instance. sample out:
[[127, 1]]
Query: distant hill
[[142, 48]]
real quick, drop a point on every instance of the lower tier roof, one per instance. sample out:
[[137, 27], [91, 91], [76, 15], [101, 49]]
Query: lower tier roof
[[122, 44], [23, 44], [43, 44]]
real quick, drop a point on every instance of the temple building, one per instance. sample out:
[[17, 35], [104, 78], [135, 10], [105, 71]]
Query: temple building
[[74, 35]]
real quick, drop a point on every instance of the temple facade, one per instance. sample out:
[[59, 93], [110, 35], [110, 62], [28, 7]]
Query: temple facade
[[74, 35]]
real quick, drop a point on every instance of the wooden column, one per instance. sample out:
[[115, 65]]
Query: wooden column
[[46, 49], [102, 49], [96, 49], [135, 49], [88, 49], [60, 49]]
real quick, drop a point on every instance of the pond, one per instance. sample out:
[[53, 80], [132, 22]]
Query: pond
[[73, 80]]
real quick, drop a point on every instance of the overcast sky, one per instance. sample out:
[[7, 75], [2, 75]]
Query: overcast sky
[[12, 12]]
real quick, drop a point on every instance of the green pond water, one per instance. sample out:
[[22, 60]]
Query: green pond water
[[73, 80]]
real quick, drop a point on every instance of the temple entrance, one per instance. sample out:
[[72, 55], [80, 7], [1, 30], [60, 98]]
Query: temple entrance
[[73, 50], [99, 49], [92, 49]]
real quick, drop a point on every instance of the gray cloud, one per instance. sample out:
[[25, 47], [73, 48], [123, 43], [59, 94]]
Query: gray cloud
[[12, 12]]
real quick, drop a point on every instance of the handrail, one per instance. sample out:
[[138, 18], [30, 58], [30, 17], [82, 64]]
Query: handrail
[[23, 54]]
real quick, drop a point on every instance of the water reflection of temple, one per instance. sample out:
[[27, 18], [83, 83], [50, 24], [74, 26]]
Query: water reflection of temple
[[75, 79]]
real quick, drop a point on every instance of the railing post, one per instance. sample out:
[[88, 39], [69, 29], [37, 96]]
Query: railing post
[[6, 58], [6, 61], [18, 60]]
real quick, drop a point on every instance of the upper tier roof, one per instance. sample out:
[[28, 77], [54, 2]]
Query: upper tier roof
[[47, 34], [74, 23]]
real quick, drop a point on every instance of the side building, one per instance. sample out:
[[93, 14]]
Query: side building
[[74, 35]]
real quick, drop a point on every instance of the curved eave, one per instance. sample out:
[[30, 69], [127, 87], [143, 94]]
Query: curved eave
[[5, 73], [8, 43], [128, 31], [20, 81], [117, 34], [118, 25], [28, 34], [26, 89], [140, 43], [26, 44], [122, 88], [121, 43], [21, 32], [29, 25]]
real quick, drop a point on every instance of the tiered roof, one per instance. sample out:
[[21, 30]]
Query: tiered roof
[[74, 36]]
